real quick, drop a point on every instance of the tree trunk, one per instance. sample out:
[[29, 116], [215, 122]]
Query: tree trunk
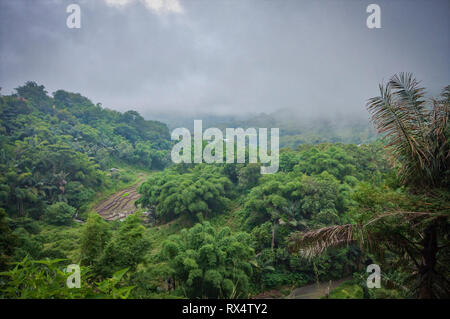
[[426, 270], [20, 207], [273, 235]]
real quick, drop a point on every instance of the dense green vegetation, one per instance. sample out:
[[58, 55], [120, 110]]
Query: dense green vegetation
[[414, 227], [203, 190], [221, 230], [59, 149], [58, 154], [208, 263]]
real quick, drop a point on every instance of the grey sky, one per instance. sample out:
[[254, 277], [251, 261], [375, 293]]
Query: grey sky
[[228, 56]]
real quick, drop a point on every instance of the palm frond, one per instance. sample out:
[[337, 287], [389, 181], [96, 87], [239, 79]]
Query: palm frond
[[418, 138], [439, 135], [407, 215], [409, 93], [313, 243]]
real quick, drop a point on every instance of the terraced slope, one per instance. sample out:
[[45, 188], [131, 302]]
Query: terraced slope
[[119, 205]]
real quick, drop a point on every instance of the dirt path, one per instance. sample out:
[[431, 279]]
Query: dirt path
[[120, 204], [312, 291], [315, 291]]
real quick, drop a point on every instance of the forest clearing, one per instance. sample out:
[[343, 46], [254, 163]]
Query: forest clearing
[[120, 204]]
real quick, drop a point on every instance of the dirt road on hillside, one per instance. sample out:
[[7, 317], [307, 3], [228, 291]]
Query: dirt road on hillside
[[315, 291]]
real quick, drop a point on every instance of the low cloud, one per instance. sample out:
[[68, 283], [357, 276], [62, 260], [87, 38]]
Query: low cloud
[[157, 6], [223, 56]]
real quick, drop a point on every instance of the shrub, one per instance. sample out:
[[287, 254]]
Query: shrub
[[59, 213]]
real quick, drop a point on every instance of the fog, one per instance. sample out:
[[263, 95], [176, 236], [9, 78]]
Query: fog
[[223, 57]]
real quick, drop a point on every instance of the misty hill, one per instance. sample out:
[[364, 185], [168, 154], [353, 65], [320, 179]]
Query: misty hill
[[295, 128]]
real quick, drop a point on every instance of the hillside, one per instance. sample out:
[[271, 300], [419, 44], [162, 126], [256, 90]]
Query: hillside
[[62, 148]]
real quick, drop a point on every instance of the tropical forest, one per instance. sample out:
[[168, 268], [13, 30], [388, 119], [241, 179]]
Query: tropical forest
[[83, 184]]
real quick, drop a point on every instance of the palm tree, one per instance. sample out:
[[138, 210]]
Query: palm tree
[[417, 136]]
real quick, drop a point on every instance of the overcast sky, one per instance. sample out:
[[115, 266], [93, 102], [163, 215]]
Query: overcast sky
[[227, 56]]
